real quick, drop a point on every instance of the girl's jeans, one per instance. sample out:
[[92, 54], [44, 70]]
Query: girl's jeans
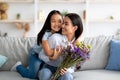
[[46, 72], [33, 67]]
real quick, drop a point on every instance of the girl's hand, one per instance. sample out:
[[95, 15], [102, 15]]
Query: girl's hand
[[57, 52], [63, 71]]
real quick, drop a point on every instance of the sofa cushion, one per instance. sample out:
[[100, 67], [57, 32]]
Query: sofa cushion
[[97, 75], [113, 63], [15, 49], [99, 52], [12, 75], [3, 60]]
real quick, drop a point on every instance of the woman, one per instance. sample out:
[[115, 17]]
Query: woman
[[72, 28]]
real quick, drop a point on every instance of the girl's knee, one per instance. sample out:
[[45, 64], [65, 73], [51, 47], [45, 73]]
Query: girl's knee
[[38, 62]]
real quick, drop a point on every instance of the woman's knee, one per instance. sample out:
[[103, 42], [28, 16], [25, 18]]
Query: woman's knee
[[44, 74], [66, 76]]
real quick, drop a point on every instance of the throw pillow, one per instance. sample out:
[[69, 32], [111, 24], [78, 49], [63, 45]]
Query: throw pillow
[[113, 62], [3, 60]]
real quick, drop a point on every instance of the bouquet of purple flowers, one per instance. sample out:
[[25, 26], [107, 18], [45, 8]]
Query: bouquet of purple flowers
[[72, 55]]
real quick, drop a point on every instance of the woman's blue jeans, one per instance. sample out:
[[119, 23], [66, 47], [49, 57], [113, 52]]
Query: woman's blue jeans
[[33, 67], [46, 72]]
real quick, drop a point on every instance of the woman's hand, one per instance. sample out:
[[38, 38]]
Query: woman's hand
[[63, 71]]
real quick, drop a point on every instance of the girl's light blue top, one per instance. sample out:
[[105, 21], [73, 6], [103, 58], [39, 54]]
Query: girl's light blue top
[[54, 41], [38, 48]]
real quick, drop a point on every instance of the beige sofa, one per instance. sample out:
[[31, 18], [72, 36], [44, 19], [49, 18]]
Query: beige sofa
[[94, 69], [14, 49]]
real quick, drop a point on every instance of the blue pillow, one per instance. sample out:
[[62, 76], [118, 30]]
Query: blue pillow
[[3, 60], [114, 58]]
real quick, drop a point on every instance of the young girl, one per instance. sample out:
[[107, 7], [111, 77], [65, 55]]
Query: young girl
[[52, 24], [71, 30]]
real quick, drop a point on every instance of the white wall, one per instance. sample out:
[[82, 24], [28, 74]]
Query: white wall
[[103, 11], [91, 28], [70, 7], [27, 12]]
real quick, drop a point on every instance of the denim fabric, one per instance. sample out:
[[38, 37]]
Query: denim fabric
[[46, 72], [34, 66]]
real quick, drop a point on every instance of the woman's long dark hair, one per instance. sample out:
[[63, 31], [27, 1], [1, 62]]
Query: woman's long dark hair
[[46, 26], [76, 21]]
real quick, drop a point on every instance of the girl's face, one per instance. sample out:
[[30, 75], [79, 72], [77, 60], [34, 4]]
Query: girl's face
[[67, 27], [56, 22]]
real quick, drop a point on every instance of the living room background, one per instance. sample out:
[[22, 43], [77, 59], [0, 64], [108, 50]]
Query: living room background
[[102, 17]]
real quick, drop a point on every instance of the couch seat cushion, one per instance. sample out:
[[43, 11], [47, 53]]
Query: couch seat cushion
[[11, 75], [97, 75]]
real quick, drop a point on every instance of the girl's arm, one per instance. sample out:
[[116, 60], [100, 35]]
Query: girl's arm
[[47, 49], [53, 54], [50, 51]]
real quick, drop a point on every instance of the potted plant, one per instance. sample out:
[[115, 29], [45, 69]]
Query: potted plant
[[64, 12], [18, 16]]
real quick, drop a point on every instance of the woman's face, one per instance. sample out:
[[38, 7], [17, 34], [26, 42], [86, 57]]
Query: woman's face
[[67, 27], [56, 22]]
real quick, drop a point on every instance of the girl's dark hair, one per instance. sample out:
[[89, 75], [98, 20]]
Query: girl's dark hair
[[46, 26], [76, 21]]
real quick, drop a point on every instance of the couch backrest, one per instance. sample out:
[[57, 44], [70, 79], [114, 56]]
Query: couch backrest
[[100, 52], [16, 49]]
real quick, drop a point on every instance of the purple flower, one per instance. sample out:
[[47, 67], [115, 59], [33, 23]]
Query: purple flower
[[73, 54]]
